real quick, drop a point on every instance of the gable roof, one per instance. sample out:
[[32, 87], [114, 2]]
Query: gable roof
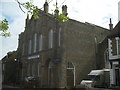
[[116, 31]]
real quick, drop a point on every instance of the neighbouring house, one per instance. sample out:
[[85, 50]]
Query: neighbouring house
[[109, 53], [10, 68], [59, 54], [114, 55]]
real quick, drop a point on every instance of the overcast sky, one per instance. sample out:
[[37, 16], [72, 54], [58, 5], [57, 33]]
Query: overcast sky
[[96, 12]]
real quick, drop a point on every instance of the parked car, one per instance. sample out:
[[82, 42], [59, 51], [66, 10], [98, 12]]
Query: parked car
[[96, 78], [31, 82]]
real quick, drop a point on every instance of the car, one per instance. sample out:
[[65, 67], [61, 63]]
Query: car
[[96, 78]]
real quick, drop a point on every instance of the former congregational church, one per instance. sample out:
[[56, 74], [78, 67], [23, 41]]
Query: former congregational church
[[59, 54]]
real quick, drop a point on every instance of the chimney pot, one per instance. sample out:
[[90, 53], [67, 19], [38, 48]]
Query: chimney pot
[[111, 25], [64, 10]]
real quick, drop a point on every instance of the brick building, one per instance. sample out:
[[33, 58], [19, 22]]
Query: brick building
[[58, 54]]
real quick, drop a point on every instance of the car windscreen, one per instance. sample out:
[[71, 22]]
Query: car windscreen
[[92, 77]]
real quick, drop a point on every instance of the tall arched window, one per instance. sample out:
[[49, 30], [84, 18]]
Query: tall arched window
[[51, 39], [119, 46], [30, 47], [35, 41], [23, 49], [33, 69], [106, 58], [40, 42], [28, 70], [70, 74], [59, 36], [39, 70]]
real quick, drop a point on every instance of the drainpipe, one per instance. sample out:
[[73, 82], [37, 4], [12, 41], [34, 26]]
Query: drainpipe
[[74, 77]]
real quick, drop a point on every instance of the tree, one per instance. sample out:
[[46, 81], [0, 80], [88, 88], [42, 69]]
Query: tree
[[4, 28], [31, 9]]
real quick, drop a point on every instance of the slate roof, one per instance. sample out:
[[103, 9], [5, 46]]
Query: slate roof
[[116, 31]]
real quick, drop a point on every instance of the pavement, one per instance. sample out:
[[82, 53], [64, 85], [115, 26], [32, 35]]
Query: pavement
[[7, 86]]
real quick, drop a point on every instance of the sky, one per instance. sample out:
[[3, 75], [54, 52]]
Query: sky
[[97, 12]]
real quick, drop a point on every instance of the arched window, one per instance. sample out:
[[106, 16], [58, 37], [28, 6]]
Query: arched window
[[33, 69], [119, 46], [39, 70], [70, 66], [59, 36], [30, 47], [40, 42], [51, 39], [28, 70], [106, 58], [70, 74], [35, 41], [23, 49]]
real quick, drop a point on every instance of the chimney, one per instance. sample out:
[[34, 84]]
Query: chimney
[[111, 25], [56, 10], [46, 7], [64, 10]]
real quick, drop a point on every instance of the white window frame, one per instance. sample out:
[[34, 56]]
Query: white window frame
[[51, 38]]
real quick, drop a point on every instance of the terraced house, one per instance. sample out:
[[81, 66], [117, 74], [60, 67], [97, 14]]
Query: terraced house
[[59, 54], [114, 55]]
